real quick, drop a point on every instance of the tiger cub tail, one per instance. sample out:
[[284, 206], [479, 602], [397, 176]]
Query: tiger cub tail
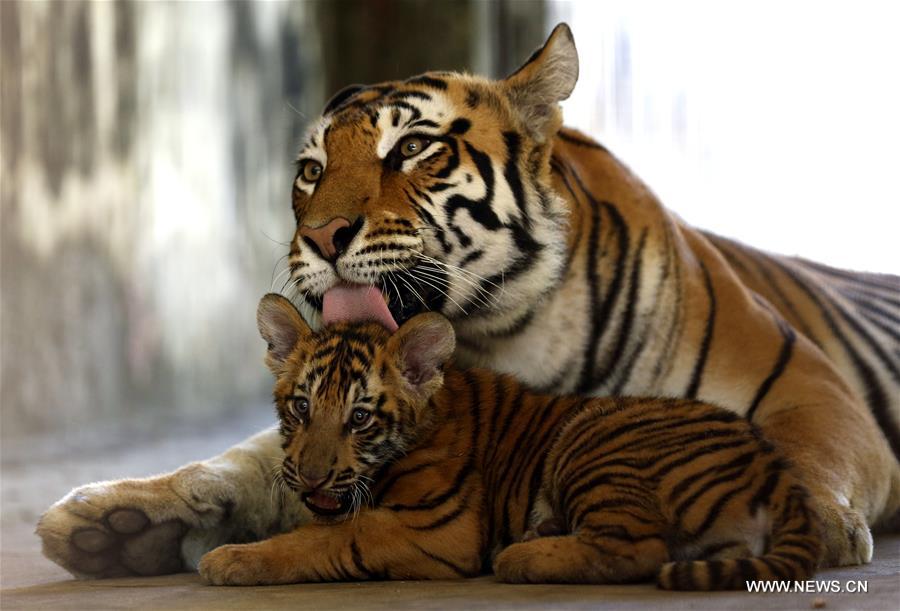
[[793, 554]]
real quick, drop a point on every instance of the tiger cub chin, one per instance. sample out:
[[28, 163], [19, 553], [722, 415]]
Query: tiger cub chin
[[418, 470]]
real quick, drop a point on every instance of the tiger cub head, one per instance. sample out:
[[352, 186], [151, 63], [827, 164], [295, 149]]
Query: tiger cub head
[[350, 398], [437, 190]]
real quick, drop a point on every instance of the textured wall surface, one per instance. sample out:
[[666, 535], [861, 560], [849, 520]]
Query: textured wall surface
[[146, 148]]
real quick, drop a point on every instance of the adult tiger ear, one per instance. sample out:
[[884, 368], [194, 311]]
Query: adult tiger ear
[[421, 348], [281, 325], [547, 78]]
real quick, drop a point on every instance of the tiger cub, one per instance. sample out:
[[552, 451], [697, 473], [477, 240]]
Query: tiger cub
[[416, 470]]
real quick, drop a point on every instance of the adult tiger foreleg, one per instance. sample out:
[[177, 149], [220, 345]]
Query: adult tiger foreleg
[[164, 524]]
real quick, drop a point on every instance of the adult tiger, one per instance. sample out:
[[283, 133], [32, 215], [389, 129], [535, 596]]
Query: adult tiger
[[556, 264]]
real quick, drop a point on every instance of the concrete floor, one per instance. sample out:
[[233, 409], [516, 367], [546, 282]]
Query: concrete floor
[[29, 581]]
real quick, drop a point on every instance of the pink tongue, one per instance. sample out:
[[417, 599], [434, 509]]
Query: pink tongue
[[355, 303]]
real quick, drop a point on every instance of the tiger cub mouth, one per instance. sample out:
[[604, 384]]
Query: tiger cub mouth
[[327, 502]]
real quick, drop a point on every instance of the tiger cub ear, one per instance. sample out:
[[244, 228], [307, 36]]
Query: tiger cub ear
[[421, 348], [281, 325], [547, 78]]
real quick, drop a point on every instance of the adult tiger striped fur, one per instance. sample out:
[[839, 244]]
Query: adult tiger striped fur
[[465, 466], [557, 265]]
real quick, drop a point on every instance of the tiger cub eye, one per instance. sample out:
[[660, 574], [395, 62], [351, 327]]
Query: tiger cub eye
[[301, 407], [312, 170], [360, 417], [412, 146]]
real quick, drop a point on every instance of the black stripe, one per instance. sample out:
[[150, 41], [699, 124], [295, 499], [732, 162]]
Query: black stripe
[[452, 566], [893, 333], [600, 312], [714, 511], [561, 168], [764, 494], [358, 562], [342, 96], [511, 173], [700, 364], [876, 281], [387, 483], [742, 460], [445, 519], [787, 348], [875, 394], [614, 357], [405, 95], [572, 139], [759, 264], [874, 345], [534, 446], [481, 211], [857, 293], [427, 81], [683, 506]]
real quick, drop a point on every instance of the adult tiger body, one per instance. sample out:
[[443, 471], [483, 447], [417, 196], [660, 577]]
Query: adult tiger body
[[417, 470], [557, 265]]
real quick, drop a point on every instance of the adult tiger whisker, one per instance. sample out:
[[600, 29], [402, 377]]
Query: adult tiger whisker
[[390, 277], [277, 263], [453, 267], [420, 281], [414, 291], [458, 269], [457, 272], [480, 296], [417, 278], [275, 279], [475, 298]]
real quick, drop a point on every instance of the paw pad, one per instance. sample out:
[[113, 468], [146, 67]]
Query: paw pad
[[91, 540], [127, 521]]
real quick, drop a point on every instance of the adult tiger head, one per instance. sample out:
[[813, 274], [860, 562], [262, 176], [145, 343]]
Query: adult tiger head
[[436, 190], [350, 399]]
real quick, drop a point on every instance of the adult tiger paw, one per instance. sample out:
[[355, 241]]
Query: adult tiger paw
[[239, 565], [141, 527]]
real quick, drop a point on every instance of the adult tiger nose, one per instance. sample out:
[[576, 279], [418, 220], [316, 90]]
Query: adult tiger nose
[[332, 238]]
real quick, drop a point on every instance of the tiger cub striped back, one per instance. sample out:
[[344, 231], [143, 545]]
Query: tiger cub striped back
[[645, 480], [446, 472]]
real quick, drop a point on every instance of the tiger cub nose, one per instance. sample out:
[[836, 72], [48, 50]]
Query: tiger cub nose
[[332, 238], [313, 480]]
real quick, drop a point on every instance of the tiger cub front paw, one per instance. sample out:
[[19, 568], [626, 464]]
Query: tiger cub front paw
[[239, 565]]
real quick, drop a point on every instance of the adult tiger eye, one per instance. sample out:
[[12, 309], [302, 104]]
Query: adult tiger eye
[[412, 146], [312, 170]]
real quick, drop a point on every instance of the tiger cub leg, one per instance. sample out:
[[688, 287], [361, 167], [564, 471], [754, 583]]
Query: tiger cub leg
[[617, 539]]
